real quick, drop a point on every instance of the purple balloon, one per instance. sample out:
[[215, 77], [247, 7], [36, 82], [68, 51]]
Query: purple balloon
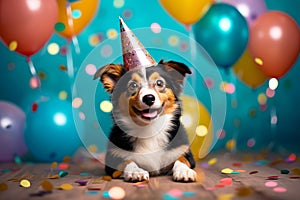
[[12, 124], [250, 9]]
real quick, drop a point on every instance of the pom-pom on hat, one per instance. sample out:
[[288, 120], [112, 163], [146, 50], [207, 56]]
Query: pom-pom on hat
[[134, 53]]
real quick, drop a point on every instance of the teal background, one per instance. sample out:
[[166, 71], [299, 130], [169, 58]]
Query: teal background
[[242, 122]]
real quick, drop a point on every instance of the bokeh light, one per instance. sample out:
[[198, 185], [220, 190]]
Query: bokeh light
[[118, 3], [173, 40], [77, 102], [201, 130], [106, 106], [258, 61], [262, 99], [225, 24], [60, 119], [13, 45], [53, 48], [76, 14], [155, 28], [273, 83], [34, 82], [251, 142], [90, 69], [62, 95], [106, 51], [270, 93], [112, 33], [187, 120]]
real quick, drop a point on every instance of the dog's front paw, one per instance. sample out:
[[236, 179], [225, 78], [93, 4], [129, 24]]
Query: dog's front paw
[[181, 172], [133, 173]]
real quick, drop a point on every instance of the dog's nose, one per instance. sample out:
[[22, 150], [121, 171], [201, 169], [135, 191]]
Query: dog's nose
[[149, 99]]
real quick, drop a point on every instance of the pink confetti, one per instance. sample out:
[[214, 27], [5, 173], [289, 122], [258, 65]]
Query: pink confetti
[[271, 184], [226, 181], [175, 193], [279, 189]]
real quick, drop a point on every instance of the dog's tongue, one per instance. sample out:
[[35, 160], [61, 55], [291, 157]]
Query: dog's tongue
[[150, 114]]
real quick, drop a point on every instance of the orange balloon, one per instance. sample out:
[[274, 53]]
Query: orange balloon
[[25, 26], [274, 43], [247, 71], [74, 17]]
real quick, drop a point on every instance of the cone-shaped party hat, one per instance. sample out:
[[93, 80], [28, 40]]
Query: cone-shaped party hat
[[134, 53]]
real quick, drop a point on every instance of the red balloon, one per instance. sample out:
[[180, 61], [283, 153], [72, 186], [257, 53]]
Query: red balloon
[[274, 43], [26, 25]]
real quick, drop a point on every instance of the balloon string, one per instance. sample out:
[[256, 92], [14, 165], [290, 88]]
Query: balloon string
[[273, 124], [71, 25], [33, 71], [70, 65]]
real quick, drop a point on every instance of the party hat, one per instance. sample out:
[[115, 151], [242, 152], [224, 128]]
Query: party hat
[[134, 53]]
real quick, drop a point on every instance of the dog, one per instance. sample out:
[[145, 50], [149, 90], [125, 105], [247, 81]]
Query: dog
[[147, 138]]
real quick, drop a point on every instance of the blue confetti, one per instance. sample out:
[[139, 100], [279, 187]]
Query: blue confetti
[[188, 194], [105, 194], [92, 192], [169, 197]]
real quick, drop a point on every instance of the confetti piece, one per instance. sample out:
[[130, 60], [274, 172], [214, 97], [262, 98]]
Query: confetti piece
[[235, 172], [291, 158], [237, 164], [53, 176], [63, 68], [219, 186], [226, 181], [296, 171], [279, 189], [243, 192], [18, 159], [167, 196], [94, 187], [40, 193], [62, 173], [67, 159], [226, 171], [175, 193], [262, 162], [284, 171], [117, 174], [253, 172], [66, 186], [107, 178], [13, 45], [188, 194], [3, 187], [25, 183], [54, 165], [116, 193], [84, 174], [82, 182], [212, 161], [225, 197], [46, 185], [273, 177], [105, 194], [295, 177], [63, 166], [92, 192], [271, 184], [141, 183], [276, 162], [240, 170], [34, 107]]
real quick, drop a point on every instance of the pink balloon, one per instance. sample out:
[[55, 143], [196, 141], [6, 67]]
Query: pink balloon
[[26, 25], [250, 9]]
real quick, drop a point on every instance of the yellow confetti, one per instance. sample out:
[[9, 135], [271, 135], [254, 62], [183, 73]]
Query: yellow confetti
[[296, 171], [67, 159], [107, 178], [56, 176], [66, 186], [13, 45], [46, 185], [226, 171], [225, 197], [117, 174], [54, 165], [3, 187], [212, 161], [230, 145], [25, 183]]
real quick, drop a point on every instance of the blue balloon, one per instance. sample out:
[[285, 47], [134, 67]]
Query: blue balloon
[[223, 32], [50, 132]]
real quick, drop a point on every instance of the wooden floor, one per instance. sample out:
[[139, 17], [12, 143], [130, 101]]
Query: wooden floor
[[249, 176]]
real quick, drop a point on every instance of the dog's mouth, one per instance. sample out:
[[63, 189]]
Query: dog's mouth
[[148, 114]]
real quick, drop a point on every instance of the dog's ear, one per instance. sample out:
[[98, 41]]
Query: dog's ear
[[177, 69], [109, 75]]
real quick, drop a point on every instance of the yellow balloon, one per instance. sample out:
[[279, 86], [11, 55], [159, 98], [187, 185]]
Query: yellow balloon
[[247, 71], [197, 121], [74, 17], [187, 12]]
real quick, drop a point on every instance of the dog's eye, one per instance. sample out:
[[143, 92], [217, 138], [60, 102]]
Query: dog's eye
[[160, 83], [133, 85]]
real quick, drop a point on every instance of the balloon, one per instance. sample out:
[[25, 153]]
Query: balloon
[[25, 26], [50, 133], [186, 12], [81, 13], [249, 9], [223, 32], [197, 121], [274, 43], [247, 71], [12, 123]]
